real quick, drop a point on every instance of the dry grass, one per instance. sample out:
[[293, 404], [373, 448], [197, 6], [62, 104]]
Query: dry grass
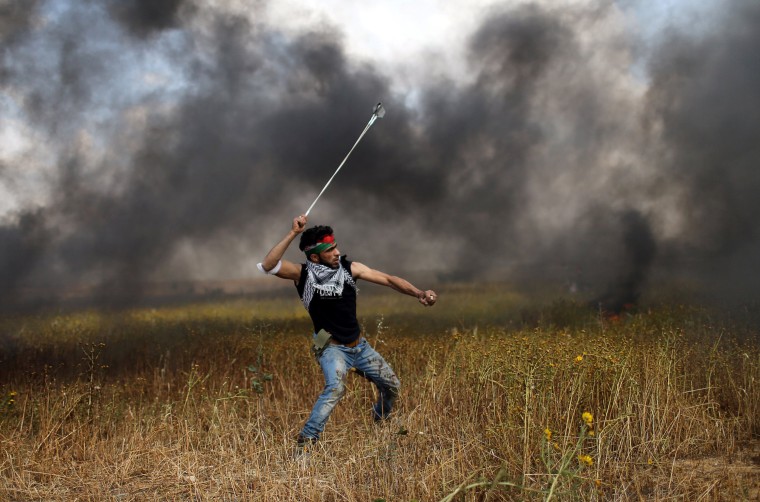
[[203, 402]]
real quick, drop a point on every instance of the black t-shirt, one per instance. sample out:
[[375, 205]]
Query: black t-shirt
[[334, 314]]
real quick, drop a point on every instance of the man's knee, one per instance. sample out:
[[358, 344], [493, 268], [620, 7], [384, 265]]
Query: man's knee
[[335, 390]]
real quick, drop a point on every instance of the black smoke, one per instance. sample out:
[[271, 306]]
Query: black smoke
[[703, 102], [638, 252], [143, 18], [16, 18], [22, 242], [547, 155]]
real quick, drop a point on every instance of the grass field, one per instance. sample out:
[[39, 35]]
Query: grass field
[[501, 400]]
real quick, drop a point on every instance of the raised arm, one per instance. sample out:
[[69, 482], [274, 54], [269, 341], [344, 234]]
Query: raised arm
[[286, 269], [361, 271]]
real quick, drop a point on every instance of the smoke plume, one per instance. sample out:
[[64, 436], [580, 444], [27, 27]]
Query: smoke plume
[[145, 17], [703, 106], [176, 140]]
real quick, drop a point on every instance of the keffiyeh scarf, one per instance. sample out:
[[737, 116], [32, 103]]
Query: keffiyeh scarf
[[328, 281]]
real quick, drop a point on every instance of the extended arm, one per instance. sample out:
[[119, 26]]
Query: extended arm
[[361, 271], [288, 269]]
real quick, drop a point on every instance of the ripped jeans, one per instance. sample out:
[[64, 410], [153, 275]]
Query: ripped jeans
[[336, 361]]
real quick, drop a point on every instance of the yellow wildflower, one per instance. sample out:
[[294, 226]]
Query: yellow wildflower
[[591, 432], [586, 459], [588, 418], [650, 461], [548, 434], [579, 358]]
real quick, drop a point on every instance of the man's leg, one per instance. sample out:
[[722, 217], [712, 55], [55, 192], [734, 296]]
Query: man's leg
[[370, 364], [334, 367]]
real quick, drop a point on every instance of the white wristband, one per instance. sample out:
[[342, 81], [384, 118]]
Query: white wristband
[[273, 271]]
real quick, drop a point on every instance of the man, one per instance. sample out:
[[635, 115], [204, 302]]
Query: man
[[326, 284]]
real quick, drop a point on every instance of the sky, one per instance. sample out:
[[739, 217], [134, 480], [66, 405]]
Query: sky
[[595, 142]]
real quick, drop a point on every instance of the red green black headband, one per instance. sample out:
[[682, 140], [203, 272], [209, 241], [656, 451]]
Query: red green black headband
[[322, 244]]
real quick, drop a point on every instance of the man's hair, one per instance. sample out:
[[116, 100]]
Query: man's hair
[[311, 236]]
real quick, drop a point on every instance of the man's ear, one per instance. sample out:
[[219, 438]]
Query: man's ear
[[314, 258]]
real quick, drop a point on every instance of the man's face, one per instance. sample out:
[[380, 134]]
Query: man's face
[[330, 257]]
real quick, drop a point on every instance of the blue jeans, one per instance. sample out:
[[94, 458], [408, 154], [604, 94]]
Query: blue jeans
[[336, 361]]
